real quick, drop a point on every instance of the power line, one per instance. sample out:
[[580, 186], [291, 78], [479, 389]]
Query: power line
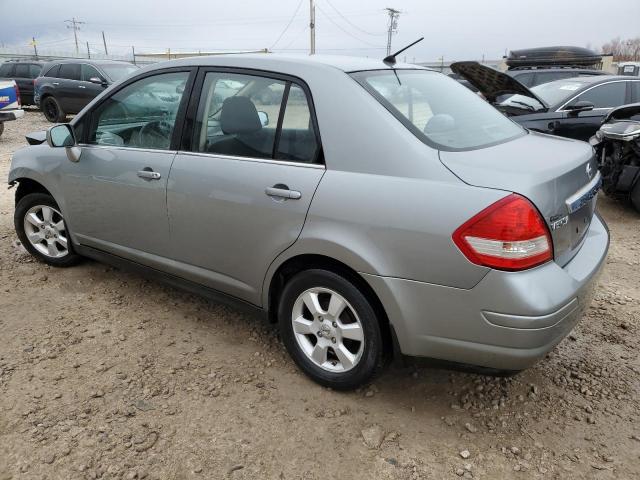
[[75, 25], [288, 25], [351, 23], [344, 30]]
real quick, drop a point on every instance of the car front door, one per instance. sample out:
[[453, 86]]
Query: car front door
[[116, 192], [240, 189], [88, 90], [583, 125]]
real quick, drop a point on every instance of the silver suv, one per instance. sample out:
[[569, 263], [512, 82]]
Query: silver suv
[[365, 208]]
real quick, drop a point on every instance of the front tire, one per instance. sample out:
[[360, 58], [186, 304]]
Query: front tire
[[330, 329], [53, 110], [43, 231]]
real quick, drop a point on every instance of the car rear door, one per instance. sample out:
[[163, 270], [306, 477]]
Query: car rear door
[[116, 193], [242, 184], [583, 125], [67, 91]]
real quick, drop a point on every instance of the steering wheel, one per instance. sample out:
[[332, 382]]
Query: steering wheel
[[156, 134]]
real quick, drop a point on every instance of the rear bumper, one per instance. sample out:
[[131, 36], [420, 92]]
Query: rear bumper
[[509, 320], [11, 115]]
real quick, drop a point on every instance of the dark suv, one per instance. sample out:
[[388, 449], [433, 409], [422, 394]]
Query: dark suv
[[67, 86], [24, 72], [530, 77]]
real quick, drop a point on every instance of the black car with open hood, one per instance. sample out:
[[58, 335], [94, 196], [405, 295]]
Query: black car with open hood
[[572, 107]]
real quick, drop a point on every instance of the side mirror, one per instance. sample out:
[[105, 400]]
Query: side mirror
[[63, 136], [264, 118], [98, 80], [579, 106]]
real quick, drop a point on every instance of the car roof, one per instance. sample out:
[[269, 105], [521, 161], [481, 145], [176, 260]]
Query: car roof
[[276, 61], [88, 61]]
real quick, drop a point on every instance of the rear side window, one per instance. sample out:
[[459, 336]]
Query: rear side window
[[544, 77], [22, 70], [53, 71], [70, 71], [438, 110], [298, 141], [605, 96], [6, 70], [635, 92]]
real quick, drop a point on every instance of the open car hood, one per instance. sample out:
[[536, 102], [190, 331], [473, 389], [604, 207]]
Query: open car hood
[[492, 83]]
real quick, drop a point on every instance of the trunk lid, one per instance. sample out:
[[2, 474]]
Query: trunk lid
[[492, 83], [559, 176]]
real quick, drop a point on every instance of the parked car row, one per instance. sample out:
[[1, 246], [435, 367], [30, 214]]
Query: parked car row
[[65, 86]]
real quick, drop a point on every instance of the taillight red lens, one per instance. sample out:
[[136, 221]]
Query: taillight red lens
[[18, 96], [508, 235]]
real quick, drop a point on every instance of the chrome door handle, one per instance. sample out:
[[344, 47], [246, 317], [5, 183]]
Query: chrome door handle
[[149, 175], [55, 83], [283, 192], [81, 86]]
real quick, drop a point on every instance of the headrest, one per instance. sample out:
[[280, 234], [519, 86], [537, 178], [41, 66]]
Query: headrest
[[239, 115]]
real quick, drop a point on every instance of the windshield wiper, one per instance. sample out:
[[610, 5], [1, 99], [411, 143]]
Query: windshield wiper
[[529, 107]]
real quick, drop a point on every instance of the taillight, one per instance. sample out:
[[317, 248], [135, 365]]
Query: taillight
[[18, 96], [507, 235]]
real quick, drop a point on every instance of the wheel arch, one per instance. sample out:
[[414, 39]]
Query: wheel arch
[[306, 261], [28, 185]]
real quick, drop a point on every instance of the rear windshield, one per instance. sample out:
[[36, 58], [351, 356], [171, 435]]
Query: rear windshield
[[117, 72], [439, 110]]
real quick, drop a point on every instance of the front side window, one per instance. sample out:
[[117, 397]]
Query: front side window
[[605, 96], [89, 71], [69, 71], [53, 71], [141, 115], [117, 71], [238, 115], [439, 110], [34, 71]]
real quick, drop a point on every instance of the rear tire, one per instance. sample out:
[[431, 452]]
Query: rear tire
[[43, 231], [1, 128], [338, 341], [635, 196], [52, 110]]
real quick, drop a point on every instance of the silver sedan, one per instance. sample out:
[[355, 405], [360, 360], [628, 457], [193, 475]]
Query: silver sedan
[[368, 208]]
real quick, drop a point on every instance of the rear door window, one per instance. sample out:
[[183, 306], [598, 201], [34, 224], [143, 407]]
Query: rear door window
[[53, 71], [70, 71], [605, 96], [22, 70], [635, 92], [298, 140]]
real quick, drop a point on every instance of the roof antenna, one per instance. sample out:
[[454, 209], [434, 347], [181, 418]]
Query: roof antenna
[[391, 59]]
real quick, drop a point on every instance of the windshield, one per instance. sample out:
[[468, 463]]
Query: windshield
[[439, 110], [556, 92], [117, 72]]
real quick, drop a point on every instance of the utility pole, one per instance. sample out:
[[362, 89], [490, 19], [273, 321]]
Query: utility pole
[[35, 48], [133, 53], [88, 51], [105, 44], [393, 26], [75, 25], [312, 26]]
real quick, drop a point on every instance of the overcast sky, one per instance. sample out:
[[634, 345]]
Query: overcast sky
[[455, 29]]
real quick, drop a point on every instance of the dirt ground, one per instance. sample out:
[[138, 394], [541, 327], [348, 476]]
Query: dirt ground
[[104, 374]]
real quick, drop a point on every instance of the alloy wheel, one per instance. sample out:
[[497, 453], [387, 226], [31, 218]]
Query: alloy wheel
[[328, 329], [46, 231]]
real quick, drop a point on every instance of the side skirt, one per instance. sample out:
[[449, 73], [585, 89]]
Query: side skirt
[[173, 280]]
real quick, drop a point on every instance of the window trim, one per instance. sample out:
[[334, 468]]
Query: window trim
[[626, 95], [186, 141], [88, 115]]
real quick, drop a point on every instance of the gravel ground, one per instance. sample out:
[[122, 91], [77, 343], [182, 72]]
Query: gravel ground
[[104, 374]]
